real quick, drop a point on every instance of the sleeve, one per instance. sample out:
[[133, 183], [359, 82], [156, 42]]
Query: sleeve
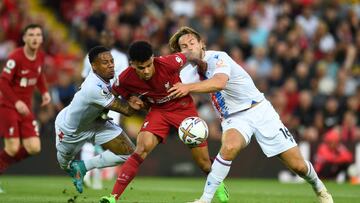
[[100, 96], [175, 61], [118, 87], [222, 63], [6, 78], [41, 83]]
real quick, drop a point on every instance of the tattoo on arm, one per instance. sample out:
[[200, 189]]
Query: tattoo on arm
[[122, 107]]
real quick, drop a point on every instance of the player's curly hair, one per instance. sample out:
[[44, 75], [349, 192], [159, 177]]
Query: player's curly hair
[[95, 51], [174, 40], [140, 51]]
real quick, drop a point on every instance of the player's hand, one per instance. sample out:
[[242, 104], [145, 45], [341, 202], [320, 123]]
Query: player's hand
[[136, 103], [45, 99], [22, 108], [178, 90]]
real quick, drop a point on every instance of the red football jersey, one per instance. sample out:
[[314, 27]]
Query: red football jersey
[[154, 91], [20, 76]]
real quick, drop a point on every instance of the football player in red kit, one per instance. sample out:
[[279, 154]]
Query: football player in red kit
[[150, 78], [21, 74]]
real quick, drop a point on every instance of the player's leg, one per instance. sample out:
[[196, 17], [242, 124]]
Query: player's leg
[[293, 159], [201, 156], [14, 127], [32, 145], [7, 155], [145, 143], [117, 151], [232, 143]]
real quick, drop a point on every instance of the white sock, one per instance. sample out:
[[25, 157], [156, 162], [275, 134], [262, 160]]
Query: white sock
[[219, 170], [105, 159], [312, 178], [87, 151]]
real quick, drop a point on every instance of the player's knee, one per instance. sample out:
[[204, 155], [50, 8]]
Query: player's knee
[[34, 150], [230, 150], [12, 149]]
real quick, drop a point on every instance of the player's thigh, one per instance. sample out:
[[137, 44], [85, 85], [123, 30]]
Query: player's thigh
[[237, 133], [156, 123], [32, 145], [293, 160], [271, 134], [29, 127], [68, 146], [120, 144], [232, 142]]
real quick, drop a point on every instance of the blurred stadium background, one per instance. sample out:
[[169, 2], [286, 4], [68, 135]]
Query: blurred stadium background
[[303, 54]]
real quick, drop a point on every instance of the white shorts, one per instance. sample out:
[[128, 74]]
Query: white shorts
[[71, 144], [264, 122]]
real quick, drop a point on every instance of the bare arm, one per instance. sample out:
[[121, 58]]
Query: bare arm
[[128, 107], [214, 84]]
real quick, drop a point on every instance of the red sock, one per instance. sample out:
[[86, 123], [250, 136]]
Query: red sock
[[127, 173], [6, 160], [21, 154]]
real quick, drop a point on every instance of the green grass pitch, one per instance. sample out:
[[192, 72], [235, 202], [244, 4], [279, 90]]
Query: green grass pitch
[[52, 189]]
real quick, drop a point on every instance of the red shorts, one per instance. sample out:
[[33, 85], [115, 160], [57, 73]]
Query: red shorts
[[159, 121], [13, 125]]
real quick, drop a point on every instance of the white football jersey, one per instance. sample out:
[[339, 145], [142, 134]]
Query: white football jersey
[[120, 61], [240, 91], [86, 107]]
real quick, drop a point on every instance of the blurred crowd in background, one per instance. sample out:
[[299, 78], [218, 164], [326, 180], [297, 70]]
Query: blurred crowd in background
[[303, 54]]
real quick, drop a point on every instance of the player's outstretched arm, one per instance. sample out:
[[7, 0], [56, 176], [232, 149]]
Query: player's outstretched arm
[[214, 84], [122, 107], [127, 108]]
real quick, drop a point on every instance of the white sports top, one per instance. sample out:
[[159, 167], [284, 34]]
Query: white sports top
[[86, 107]]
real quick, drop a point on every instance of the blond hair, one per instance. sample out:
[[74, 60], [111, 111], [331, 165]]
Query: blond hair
[[174, 40]]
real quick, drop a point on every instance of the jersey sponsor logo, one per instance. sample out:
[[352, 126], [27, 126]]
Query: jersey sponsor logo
[[10, 64], [24, 82], [25, 72]]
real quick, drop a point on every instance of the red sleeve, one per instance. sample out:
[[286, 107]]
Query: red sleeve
[[118, 87], [7, 76], [41, 83], [175, 61]]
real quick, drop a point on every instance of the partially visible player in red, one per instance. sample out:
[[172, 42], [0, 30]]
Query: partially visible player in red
[[150, 78], [23, 72]]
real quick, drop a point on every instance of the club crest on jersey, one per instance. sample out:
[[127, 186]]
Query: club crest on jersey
[[220, 63], [179, 60], [167, 85]]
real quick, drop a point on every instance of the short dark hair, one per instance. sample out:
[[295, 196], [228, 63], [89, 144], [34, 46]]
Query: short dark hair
[[31, 26], [95, 51], [140, 51]]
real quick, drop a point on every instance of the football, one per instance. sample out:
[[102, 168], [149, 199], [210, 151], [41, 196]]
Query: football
[[193, 131]]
